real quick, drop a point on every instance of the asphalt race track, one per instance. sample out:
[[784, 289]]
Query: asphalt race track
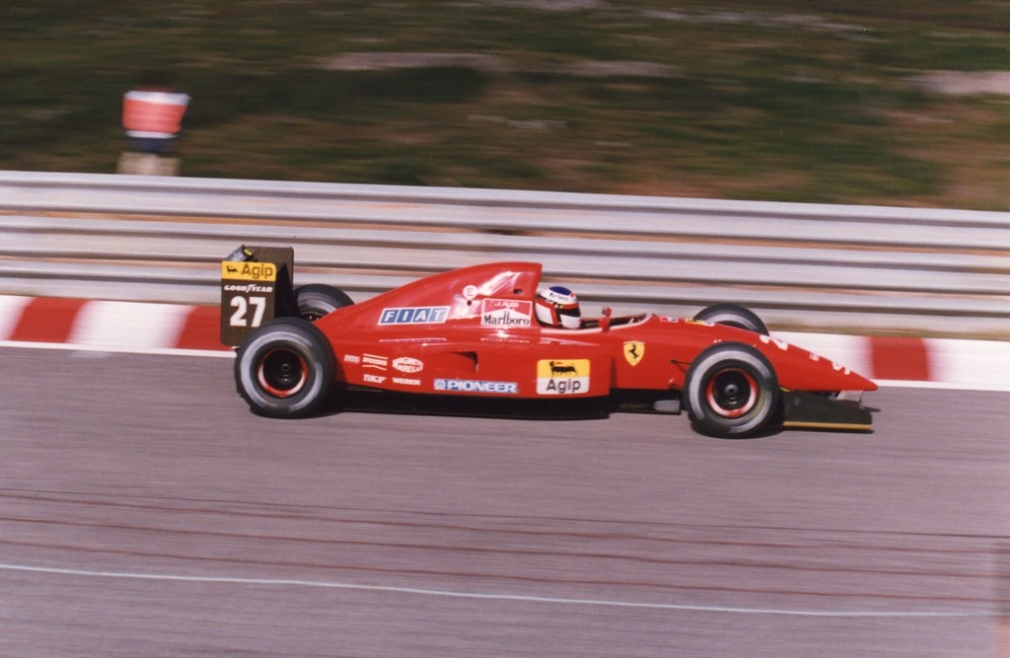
[[145, 512]]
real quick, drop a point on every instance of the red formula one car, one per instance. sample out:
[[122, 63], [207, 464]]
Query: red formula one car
[[492, 332]]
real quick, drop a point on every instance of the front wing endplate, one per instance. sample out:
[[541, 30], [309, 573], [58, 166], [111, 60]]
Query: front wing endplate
[[813, 411]]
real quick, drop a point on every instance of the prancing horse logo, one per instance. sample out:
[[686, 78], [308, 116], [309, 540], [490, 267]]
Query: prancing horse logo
[[634, 350]]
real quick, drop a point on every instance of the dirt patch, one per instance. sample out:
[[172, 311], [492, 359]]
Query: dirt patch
[[550, 5], [963, 83], [365, 61], [376, 61]]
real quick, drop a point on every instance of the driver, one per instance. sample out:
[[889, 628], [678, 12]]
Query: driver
[[558, 307]]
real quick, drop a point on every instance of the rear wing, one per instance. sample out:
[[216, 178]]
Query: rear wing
[[256, 286]]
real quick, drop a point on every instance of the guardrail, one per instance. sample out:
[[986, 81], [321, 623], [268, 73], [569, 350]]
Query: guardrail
[[808, 266]]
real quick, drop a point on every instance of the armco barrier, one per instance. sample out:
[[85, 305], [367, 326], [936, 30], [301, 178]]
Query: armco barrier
[[805, 266], [146, 327]]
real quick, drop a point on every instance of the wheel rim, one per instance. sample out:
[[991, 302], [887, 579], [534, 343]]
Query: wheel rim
[[282, 372], [732, 392]]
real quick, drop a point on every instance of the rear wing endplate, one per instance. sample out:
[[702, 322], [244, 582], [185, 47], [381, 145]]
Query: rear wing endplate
[[256, 286]]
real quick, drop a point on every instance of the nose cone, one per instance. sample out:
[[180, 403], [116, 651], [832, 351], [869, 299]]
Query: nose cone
[[860, 383], [801, 370], [837, 377]]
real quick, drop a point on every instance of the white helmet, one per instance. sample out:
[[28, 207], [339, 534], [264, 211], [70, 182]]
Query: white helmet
[[557, 306]]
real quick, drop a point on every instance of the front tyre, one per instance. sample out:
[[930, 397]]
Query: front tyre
[[316, 300], [731, 391], [733, 315], [285, 368]]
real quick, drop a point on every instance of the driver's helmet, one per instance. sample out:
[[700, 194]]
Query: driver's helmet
[[557, 306]]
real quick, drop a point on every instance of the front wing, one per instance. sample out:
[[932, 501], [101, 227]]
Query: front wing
[[813, 411]]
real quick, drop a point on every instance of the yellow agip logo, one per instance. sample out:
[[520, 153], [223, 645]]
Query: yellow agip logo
[[563, 377], [563, 368], [239, 271]]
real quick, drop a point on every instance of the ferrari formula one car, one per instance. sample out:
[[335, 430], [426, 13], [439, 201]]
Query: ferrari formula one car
[[491, 331]]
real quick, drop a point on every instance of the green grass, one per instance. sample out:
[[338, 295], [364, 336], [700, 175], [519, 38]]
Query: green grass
[[783, 100]]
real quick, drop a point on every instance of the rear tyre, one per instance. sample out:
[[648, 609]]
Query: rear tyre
[[316, 300], [731, 391], [733, 315], [285, 368]]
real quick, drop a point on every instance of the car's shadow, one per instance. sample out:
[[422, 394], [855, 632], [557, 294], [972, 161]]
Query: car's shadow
[[371, 401], [387, 402]]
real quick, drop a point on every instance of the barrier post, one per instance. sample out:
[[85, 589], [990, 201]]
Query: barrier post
[[152, 120]]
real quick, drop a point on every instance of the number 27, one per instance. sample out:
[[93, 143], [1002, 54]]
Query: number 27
[[241, 305]]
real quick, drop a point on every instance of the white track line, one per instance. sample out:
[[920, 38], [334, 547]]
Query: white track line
[[156, 351], [499, 597], [995, 387]]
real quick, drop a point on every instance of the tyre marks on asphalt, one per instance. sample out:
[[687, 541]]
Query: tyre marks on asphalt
[[661, 564]]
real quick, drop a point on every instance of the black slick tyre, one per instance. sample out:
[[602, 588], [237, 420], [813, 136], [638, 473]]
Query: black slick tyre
[[285, 368], [316, 300], [733, 315], [731, 391]]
